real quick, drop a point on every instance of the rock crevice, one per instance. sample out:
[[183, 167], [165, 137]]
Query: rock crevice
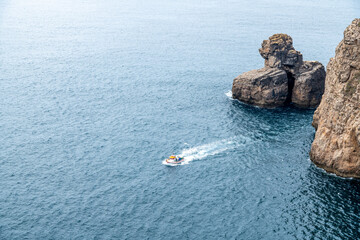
[[289, 78], [291, 83]]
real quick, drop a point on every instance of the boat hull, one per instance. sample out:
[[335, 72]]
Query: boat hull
[[171, 162]]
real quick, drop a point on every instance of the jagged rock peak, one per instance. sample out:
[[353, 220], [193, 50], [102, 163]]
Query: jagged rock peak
[[279, 52], [336, 146], [352, 33]]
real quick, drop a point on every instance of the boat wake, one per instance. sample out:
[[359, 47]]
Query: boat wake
[[210, 149]]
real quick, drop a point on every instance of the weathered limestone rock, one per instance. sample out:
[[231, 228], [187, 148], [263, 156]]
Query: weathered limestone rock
[[265, 87], [336, 146], [304, 80]]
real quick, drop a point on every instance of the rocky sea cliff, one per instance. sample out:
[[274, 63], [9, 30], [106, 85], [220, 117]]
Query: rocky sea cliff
[[336, 146]]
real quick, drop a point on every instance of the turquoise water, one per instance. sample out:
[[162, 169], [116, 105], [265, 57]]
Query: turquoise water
[[95, 94]]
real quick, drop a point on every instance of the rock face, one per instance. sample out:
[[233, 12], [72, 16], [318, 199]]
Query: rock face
[[283, 66], [336, 146], [309, 85], [265, 87]]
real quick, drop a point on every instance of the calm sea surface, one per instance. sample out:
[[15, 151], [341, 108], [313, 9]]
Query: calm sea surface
[[95, 94]]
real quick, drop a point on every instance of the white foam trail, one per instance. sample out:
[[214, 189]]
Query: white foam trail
[[210, 149], [229, 94]]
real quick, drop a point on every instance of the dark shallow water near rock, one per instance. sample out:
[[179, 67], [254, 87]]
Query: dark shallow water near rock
[[95, 95]]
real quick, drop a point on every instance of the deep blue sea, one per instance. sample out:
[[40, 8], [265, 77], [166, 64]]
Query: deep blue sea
[[94, 95]]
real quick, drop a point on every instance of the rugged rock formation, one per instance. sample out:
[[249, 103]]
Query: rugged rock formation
[[336, 146], [303, 84]]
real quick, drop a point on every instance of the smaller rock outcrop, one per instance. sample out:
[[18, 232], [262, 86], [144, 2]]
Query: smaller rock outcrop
[[308, 85], [285, 79]]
